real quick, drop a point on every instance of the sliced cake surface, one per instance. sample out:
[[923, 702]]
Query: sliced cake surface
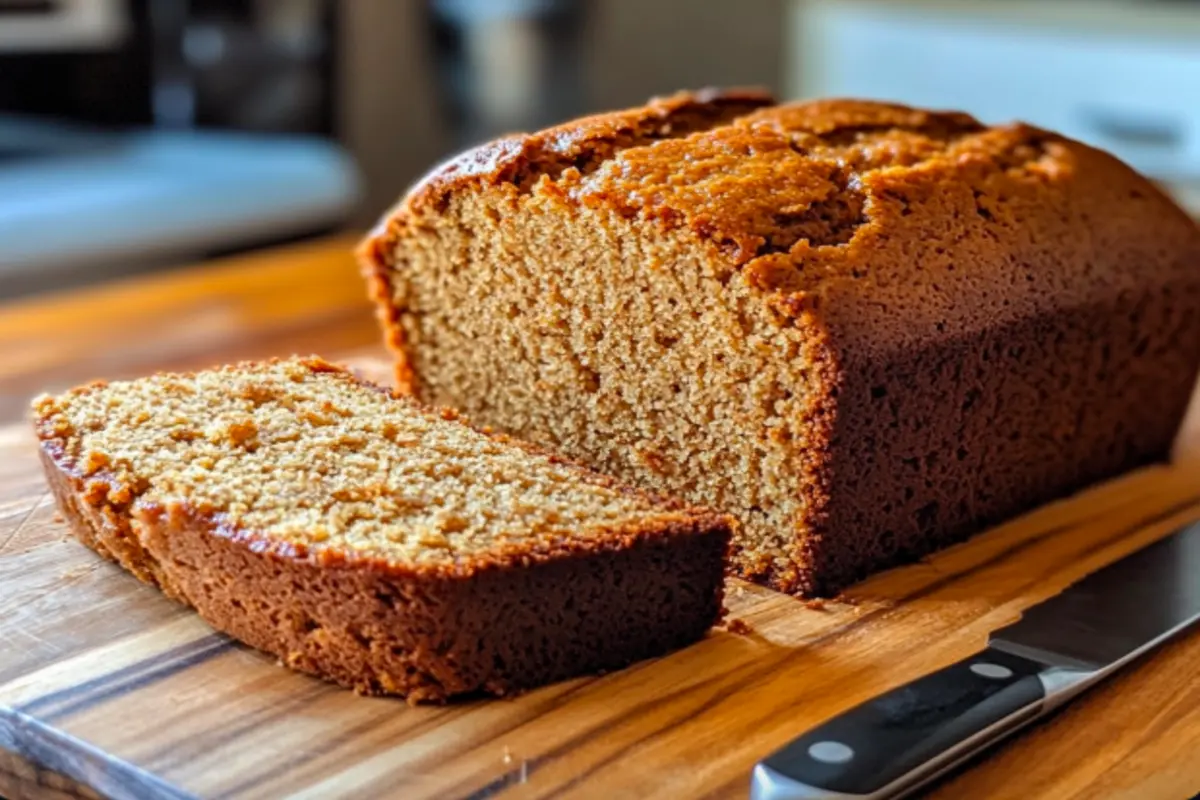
[[865, 330], [366, 539]]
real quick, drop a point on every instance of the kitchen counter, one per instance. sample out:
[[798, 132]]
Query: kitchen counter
[[695, 721]]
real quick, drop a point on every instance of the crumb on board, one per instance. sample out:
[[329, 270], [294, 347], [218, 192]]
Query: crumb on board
[[815, 604], [739, 626]]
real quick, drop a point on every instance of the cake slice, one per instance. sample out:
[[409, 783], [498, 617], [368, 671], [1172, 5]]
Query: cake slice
[[373, 542]]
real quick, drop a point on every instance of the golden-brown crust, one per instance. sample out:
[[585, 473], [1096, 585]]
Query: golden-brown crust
[[448, 628], [375, 270], [584, 143]]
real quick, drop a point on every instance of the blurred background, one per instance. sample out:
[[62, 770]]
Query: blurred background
[[139, 134]]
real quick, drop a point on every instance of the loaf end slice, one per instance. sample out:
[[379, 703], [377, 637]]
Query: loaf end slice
[[370, 541]]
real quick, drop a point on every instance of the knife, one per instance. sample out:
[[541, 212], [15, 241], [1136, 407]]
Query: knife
[[895, 743]]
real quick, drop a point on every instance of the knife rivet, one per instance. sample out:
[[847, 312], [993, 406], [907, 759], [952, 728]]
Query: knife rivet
[[996, 672], [830, 752]]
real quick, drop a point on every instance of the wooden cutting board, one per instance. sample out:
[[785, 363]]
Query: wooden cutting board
[[107, 682]]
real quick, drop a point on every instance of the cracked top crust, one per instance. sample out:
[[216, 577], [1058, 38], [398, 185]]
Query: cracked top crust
[[750, 176]]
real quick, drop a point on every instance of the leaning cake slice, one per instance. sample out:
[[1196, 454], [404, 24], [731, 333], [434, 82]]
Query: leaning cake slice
[[371, 541]]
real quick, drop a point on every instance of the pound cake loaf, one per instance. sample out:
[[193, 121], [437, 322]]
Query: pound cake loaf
[[863, 329], [367, 540]]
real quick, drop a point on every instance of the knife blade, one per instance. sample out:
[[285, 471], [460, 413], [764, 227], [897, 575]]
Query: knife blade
[[897, 742]]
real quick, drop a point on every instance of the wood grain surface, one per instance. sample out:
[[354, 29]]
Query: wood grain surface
[[108, 688]]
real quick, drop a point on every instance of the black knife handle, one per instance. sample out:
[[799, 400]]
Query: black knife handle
[[914, 731]]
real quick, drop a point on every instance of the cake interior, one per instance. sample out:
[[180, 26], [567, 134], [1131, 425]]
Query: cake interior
[[647, 359], [314, 457]]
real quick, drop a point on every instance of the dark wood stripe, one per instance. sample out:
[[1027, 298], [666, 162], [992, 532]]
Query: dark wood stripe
[[170, 755], [57, 705], [331, 744], [244, 787], [59, 752]]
